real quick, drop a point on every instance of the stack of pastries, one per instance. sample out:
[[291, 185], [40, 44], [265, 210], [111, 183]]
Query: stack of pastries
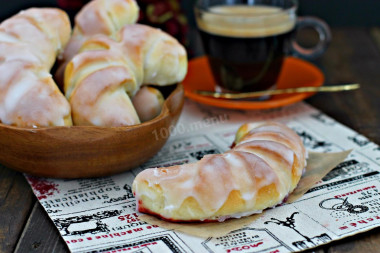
[[103, 67], [263, 167]]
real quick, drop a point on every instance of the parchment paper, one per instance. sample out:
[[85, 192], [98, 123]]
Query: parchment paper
[[318, 165]]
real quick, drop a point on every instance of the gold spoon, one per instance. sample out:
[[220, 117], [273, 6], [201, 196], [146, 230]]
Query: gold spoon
[[256, 94]]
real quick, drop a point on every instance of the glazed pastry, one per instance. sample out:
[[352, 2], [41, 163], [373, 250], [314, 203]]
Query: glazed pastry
[[29, 44], [259, 172], [156, 57], [100, 80], [148, 103], [97, 83], [97, 17]]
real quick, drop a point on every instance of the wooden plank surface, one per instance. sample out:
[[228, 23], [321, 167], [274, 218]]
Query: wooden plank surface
[[353, 56], [16, 200], [40, 234]]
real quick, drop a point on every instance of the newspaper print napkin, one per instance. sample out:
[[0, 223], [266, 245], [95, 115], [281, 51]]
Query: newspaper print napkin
[[98, 215]]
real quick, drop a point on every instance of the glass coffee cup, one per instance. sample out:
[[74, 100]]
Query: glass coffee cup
[[246, 42]]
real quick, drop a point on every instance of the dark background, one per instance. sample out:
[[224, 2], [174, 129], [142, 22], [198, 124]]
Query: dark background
[[334, 12]]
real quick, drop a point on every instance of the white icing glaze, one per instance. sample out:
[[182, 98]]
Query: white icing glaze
[[4, 37], [275, 132], [144, 53], [29, 96], [247, 168], [241, 171], [159, 57], [18, 90], [95, 18]]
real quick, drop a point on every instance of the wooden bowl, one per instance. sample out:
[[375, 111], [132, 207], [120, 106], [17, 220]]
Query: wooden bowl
[[87, 151]]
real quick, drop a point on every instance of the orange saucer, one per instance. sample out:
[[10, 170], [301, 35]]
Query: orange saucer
[[295, 73]]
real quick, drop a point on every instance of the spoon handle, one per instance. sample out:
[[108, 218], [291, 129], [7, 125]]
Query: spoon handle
[[256, 94]]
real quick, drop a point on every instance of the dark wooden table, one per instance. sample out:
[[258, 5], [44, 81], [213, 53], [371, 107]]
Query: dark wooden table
[[353, 56]]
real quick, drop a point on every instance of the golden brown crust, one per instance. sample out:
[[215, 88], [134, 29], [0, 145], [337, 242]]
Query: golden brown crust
[[29, 44], [141, 54], [105, 17], [148, 103], [258, 173]]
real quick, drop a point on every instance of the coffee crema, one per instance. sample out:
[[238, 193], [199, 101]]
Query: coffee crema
[[246, 21], [246, 45]]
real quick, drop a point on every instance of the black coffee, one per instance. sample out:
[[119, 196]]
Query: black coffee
[[244, 57]]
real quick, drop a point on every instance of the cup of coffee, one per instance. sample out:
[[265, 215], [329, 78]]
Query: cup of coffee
[[246, 42]]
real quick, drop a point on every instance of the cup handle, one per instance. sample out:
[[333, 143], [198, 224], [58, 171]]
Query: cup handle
[[324, 38]]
